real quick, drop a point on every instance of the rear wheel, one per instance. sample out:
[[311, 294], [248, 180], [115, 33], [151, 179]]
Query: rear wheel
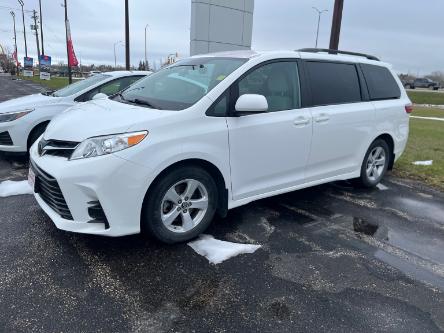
[[375, 164], [181, 205]]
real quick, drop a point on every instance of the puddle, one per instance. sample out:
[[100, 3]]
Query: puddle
[[364, 227], [425, 246], [423, 209]]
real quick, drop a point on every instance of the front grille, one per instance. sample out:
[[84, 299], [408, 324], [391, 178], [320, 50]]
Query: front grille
[[5, 139], [48, 189], [57, 148]]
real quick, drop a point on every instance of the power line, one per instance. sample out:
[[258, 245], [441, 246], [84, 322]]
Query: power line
[[12, 8]]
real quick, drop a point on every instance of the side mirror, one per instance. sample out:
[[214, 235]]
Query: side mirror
[[100, 96], [251, 103]]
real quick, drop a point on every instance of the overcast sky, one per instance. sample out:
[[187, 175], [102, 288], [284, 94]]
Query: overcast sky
[[407, 33]]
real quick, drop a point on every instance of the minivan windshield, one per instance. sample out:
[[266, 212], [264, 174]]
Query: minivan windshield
[[80, 85], [181, 85]]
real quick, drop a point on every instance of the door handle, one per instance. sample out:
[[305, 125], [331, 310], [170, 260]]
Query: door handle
[[301, 121], [322, 118]]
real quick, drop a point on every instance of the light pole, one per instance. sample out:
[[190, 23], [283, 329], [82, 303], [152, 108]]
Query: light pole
[[127, 37], [146, 61], [319, 22], [41, 27], [36, 29], [24, 26], [15, 39], [115, 57]]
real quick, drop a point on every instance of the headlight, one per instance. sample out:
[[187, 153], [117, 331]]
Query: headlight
[[103, 145], [11, 116]]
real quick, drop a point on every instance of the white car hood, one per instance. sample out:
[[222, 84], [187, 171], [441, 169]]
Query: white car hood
[[27, 102], [100, 117]]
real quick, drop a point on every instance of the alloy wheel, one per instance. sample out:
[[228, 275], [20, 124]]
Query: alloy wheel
[[184, 206], [376, 164]]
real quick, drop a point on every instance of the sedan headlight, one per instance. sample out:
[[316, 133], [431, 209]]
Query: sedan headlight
[[103, 145], [11, 116]]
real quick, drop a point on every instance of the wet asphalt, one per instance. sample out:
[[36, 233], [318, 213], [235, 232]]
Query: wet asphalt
[[333, 259]]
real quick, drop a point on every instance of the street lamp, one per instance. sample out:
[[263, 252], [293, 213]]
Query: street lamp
[[319, 22], [24, 26], [115, 57], [146, 61], [15, 38]]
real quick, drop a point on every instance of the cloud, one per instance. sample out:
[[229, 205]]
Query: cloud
[[405, 33]]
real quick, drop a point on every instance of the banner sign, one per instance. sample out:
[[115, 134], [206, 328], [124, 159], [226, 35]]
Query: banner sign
[[72, 59], [28, 66], [45, 67]]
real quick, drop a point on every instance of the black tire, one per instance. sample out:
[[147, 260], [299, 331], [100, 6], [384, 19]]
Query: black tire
[[151, 220], [36, 133], [365, 180]]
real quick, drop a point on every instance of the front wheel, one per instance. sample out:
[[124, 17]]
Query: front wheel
[[375, 164], [180, 205]]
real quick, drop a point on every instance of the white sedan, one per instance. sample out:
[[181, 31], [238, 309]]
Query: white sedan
[[24, 119]]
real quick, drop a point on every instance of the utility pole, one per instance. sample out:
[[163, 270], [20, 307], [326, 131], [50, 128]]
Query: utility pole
[[67, 45], [15, 39], [24, 26], [146, 60], [336, 24], [36, 29], [319, 23], [115, 57], [41, 27], [127, 42]]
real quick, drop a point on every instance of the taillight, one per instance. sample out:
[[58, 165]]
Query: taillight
[[409, 108]]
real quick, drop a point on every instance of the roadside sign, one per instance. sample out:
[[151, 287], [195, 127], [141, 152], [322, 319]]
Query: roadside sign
[[28, 66], [45, 67]]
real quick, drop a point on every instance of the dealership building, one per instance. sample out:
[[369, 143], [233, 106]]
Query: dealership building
[[221, 25]]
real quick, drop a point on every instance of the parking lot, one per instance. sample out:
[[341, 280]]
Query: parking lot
[[333, 258]]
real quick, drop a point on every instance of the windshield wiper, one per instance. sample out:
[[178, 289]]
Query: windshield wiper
[[120, 96], [48, 93], [143, 102]]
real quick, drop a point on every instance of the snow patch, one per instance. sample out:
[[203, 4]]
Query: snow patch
[[423, 163], [9, 187], [217, 251], [382, 187]]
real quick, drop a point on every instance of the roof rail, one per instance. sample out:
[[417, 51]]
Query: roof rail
[[314, 50]]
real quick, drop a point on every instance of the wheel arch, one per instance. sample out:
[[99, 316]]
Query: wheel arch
[[34, 129], [391, 143], [211, 168]]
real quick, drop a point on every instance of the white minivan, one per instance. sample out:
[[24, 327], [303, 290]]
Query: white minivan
[[214, 132]]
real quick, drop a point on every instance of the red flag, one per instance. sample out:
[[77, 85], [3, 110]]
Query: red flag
[[72, 59], [14, 56]]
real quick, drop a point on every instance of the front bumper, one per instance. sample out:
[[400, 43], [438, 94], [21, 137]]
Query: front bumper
[[18, 135], [117, 185]]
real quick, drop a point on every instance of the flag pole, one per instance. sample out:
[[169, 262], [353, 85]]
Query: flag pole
[[67, 45]]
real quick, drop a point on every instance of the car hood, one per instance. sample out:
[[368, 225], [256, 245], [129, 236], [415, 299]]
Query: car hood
[[100, 117], [27, 102]]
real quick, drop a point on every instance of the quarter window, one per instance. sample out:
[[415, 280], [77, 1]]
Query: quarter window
[[333, 83], [380, 82], [278, 82]]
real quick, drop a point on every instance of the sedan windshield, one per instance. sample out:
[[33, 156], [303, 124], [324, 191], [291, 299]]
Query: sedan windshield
[[80, 85], [181, 85]]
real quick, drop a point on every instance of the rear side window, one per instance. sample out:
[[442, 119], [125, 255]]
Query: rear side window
[[333, 83], [381, 83]]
